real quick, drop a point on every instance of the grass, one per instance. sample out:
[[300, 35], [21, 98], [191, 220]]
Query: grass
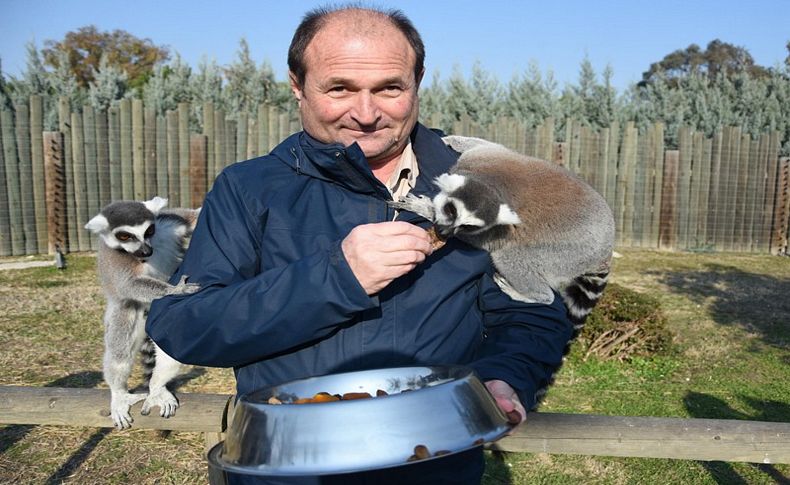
[[728, 315]]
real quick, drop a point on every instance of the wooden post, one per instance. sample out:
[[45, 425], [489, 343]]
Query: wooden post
[[274, 127], [103, 158], [64, 125], [749, 235], [780, 212], [284, 126], [55, 183], [230, 142], [219, 144], [5, 216], [762, 234], [114, 145], [658, 183], [183, 152], [127, 177], [209, 129], [704, 191], [80, 182], [732, 191], [741, 182], [630, 141], [138, 149], [162, 174], [149, 144], [685, 138], [22, 131], [771, 186], [173, 176], [241, 136], [37, 160], [668, 226], [91, 168], [714, 205], [263, 129], [198, 158], [10, 154], [252, 139]]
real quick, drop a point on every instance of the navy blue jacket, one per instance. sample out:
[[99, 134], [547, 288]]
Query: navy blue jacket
[[279, 301]]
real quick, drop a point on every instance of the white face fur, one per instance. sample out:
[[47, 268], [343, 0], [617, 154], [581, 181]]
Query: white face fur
[[133, 239], [453, 214]]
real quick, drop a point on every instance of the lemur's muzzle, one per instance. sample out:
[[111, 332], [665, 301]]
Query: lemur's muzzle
[[145, 251]]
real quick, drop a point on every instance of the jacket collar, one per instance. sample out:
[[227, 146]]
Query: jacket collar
[[348, 167]]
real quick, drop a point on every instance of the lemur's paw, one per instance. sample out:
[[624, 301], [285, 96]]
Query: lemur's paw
[[120, 406], [184, 288], [419, 204], [163, 398]]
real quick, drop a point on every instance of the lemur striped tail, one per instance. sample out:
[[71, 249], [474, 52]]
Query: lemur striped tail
[[582, 295], [148, 359]]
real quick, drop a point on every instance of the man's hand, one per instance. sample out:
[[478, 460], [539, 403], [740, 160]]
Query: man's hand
[[507, 400], [379, 253]]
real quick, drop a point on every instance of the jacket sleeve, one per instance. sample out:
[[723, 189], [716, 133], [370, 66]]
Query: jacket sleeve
[[241, 313], [524, 342]]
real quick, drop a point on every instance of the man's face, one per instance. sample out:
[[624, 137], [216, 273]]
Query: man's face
[[360, 88]]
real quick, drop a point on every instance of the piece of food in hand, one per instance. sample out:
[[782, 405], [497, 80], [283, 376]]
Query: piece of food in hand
[[420, 453], [356, 395], [436, 241]]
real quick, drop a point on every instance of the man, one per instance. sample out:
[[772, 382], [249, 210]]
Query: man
[[305, 269]]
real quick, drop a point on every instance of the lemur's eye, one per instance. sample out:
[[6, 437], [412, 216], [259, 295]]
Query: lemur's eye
[[468, 227], [450, 211], [150, 231], [123, 236]]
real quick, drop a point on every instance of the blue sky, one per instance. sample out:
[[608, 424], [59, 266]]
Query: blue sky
[[504, 36]]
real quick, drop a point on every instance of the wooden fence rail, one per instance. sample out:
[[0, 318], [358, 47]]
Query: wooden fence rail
[[645, 437], [729, 192]]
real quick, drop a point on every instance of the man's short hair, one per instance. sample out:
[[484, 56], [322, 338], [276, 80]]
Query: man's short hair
[[316, 19]]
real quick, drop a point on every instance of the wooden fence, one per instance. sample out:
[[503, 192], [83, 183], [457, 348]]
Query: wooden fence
[[635, 436], [725, 193]]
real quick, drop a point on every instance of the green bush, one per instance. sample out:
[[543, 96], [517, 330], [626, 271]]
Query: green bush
[[625, 324]]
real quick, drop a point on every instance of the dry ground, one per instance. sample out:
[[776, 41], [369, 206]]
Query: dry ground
[[729, 315]]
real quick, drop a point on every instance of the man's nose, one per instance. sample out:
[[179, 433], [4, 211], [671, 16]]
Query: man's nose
[[365, 111]]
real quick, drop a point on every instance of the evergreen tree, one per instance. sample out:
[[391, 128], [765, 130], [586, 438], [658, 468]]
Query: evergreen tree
[[530, 97], [168, 86], [247, 86], [432, 102], [65, 84], [5, 96], [109, 85]]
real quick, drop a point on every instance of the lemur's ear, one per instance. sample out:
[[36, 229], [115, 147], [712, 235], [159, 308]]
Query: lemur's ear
[[156, 204], [449, 182], [507, 215], [98, 224]]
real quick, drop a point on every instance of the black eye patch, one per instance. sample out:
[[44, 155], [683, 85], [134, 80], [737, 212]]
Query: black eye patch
[[123, 236], [450, 211], [150, 231]]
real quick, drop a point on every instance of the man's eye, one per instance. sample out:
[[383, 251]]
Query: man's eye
[[337, 89]]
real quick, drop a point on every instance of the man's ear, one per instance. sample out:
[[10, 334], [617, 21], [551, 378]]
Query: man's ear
[[420, 78], [295, 87]]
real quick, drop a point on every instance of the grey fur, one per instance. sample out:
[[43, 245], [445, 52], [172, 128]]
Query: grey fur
[[543, 226], [132, 274]]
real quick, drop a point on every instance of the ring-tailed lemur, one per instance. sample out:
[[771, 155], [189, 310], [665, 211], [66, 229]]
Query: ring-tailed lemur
[[140, 247], [544, 227]]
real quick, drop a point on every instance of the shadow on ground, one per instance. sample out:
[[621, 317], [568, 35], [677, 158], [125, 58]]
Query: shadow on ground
[[758, 303], [705, 406], [11, 435]]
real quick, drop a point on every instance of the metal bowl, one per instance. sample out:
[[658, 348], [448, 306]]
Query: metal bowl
[[447, 411]]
